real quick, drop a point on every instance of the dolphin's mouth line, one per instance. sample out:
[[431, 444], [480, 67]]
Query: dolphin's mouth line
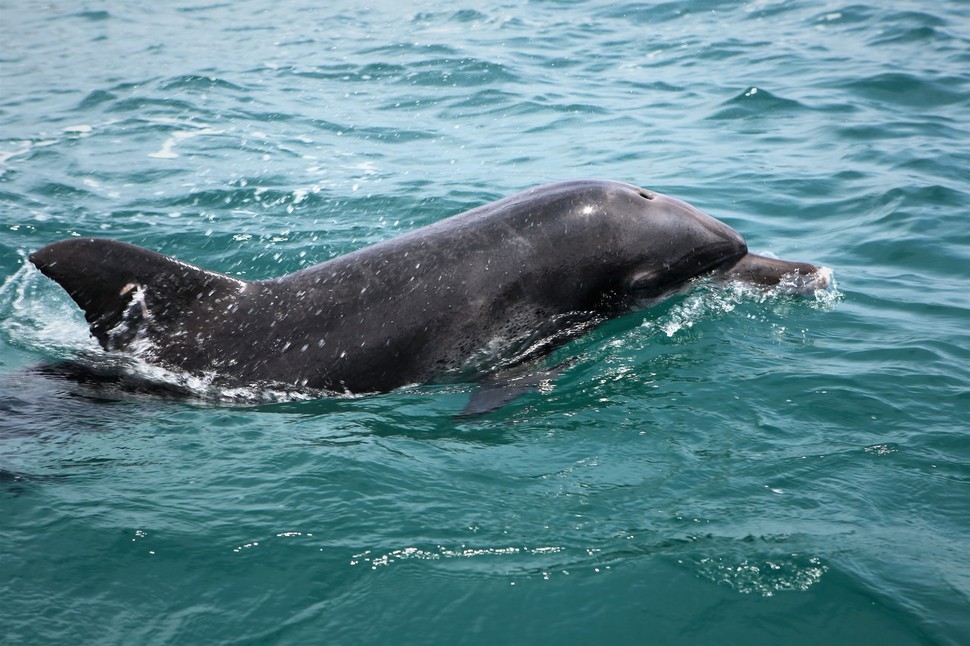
[[719, 263], [647, 294]]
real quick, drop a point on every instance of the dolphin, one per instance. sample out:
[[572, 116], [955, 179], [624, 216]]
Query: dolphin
[[481, 291]]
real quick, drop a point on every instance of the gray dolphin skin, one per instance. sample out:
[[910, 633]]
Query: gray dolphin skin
[[486, 289]]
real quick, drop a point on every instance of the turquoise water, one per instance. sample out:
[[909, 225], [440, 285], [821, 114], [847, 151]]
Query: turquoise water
[[725, 468]]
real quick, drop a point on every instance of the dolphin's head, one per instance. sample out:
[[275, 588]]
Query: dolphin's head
[[671, 243], [663, 243]]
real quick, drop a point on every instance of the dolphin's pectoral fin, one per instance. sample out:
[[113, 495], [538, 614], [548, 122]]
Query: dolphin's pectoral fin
[[123, 288], [488, 398], [505, 387]]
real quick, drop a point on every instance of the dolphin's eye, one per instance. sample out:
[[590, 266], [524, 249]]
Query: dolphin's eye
[[645, 194]]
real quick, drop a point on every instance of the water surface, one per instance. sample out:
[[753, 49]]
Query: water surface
[[726, 467]]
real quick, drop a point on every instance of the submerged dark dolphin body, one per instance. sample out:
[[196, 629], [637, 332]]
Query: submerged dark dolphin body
[[485, 289]]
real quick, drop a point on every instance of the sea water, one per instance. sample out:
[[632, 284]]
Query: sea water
[[728, 467]]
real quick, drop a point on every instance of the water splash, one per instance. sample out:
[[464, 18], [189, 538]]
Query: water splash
[[379, 560], [33, 314], [710, 300], [765, 577]]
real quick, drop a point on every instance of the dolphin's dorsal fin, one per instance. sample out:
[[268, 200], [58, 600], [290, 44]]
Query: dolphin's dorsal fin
[[119, 285]]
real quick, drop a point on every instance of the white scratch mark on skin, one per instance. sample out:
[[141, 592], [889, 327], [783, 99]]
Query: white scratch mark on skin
[[138, 296]]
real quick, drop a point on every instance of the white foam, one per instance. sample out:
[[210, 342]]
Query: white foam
[[167, 150], [710, 299], [6, 155]]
